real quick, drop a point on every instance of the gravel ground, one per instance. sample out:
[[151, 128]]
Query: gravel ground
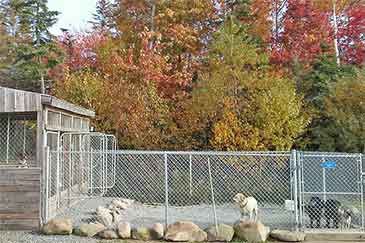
[[26, 237], [29, 237], [146, 215]]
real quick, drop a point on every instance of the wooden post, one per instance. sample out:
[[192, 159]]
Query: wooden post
[[40, 157]]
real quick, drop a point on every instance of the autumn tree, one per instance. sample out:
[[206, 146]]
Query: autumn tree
[[305, 31], [183, 28], [241, 103]]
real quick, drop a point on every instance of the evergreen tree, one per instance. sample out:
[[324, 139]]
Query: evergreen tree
[[316, 87], [32, 49], [4, 48], [103, 19]]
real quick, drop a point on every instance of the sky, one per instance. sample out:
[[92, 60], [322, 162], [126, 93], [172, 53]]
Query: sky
[[74, 14]]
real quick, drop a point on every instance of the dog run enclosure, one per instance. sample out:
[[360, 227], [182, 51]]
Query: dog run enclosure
[[199, 186], [29, 122], [52, 165]]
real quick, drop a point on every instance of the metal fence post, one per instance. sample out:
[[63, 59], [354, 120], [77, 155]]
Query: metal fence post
[[295, 184], [362, 193], [190, 176], [212, 195], [7, 140], [47, 182], [166, 191], [300, 187]]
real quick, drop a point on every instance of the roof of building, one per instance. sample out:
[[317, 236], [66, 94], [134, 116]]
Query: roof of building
[[14, 100]]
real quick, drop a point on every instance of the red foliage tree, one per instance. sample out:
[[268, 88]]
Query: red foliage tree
[[351, 34], [305, 30]]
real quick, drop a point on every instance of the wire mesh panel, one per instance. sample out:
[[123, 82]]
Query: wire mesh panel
[[18, 140], [200, 187], [263, 176], [78, 168], [316, 190], [141, 177], [331, 191]]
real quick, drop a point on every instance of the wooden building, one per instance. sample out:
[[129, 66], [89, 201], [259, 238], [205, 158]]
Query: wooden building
[[29, 123]]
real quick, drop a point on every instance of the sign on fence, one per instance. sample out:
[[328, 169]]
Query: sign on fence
[[329, 164]]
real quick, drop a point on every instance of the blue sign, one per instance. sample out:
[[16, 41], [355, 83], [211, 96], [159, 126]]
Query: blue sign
[[328, 164]]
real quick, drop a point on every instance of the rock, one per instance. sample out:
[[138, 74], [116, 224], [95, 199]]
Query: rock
[[108, 234], [251, 231], [225, 233], [185, 231], [104, 216], [116, 217], [61, 226], [124, 230], [90, 230], [119, 204], [157, 231], [287, 236], [141, 233], [129, 202]]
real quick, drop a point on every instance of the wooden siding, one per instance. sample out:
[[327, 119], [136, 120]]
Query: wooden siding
[[19, 199], [12, 100]]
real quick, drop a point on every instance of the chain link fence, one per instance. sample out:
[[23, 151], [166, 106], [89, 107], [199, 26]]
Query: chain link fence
[[18, 140], [331, 188], [294, 190], [195, 186]]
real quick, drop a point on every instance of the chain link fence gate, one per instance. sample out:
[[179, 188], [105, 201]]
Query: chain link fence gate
[[331, 191], [79, 166]]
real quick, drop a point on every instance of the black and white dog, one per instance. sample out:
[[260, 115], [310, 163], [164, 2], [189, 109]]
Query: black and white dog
[[331, 213], [314, 210], [345, 215], [334, 214]]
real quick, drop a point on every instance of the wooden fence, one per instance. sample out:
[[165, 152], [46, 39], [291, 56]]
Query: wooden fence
[[19, 198]]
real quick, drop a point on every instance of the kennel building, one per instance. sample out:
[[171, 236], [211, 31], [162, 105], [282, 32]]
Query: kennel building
[[30, 123]]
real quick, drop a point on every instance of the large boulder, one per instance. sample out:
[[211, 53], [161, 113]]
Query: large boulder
[[287, 236], [185, 231], [129, 202], [90, 230], [119, 204], [157, 231], [142, 233], [250, 231], [61, 226], [222, 232], [104, 216], [108, 234], [124, 230]]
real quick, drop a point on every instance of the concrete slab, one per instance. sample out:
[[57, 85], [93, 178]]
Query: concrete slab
[[335, 236]]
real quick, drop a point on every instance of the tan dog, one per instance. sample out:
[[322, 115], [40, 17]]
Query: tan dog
[[247, 205]]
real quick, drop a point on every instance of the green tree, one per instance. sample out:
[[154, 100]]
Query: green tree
[[241, 103], [345, 109], [104, 19], [31, 45], [4, 49], [315, 86]]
